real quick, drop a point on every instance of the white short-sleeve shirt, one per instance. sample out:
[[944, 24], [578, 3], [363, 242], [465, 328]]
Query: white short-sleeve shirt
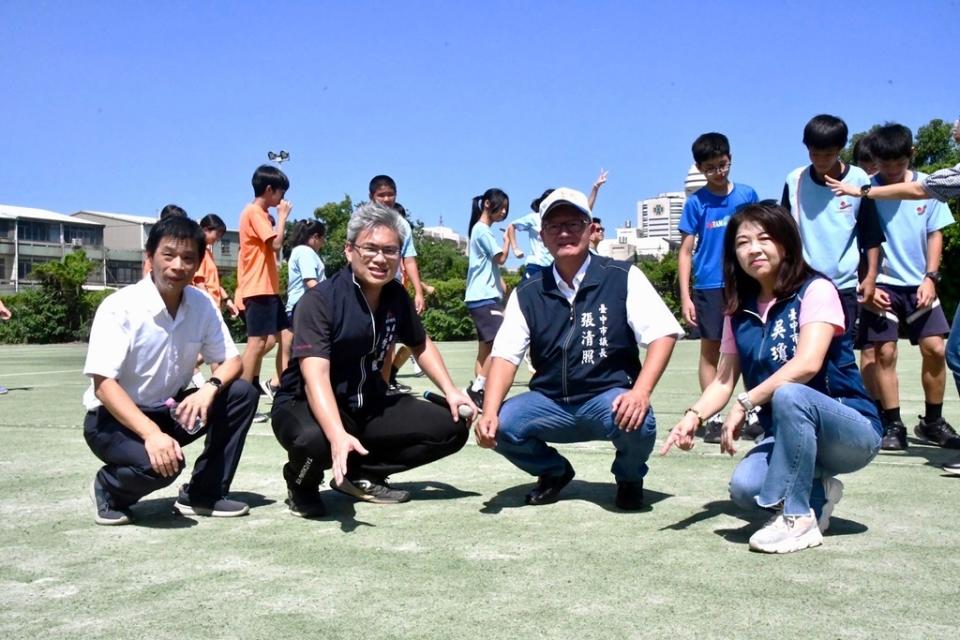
[[151, 354]]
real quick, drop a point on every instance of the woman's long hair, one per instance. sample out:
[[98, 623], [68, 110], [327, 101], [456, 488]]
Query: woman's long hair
[[782, 229]]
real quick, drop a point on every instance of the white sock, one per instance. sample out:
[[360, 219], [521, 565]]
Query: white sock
[[478, 383]]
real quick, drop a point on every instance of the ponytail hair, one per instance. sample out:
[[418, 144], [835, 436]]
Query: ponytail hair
[[535, 205], [497, 199], [212, 222], [306, 229]]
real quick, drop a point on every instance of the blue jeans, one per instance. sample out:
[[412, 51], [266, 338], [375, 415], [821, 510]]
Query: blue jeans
[[815, 436], [953, 350], [530, 420]]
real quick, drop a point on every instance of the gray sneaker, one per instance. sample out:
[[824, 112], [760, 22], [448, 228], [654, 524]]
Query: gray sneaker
[[222, 508], [104, 513], [377, 492], [786, 534]]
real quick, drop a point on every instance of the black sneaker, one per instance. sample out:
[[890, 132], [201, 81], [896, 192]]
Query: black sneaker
[[305, 504], [712, 429], [629, 495], [476, 396], [953, 467], [894, 437], [104, 513], [938, 432], [752, 430], [377, 492], [397, 388], [222, 508]]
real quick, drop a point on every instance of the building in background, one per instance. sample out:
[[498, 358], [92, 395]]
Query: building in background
[[125, 239], [694, 181], [31, 237], [446, 234], [659, 217]]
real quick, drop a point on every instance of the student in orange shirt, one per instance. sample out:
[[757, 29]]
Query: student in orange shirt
[[258, 285], [208, 276]]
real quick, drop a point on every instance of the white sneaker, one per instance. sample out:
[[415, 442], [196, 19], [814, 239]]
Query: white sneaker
[[833, 489], [786, 534]]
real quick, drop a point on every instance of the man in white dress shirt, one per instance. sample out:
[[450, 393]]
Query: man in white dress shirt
[[143, 347], [584, 320]]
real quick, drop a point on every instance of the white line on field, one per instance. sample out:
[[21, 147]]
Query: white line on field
[[40, 373]]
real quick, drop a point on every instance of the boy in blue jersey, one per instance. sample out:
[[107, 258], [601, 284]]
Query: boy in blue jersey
[[834, 228], [702, 225], [907, 288]]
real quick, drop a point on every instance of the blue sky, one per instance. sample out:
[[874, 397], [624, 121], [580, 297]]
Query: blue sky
[[126, 106]]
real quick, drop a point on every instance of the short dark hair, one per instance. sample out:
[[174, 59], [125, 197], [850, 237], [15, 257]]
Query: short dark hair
[[709, 146], [863, 150], [892, 142], [269, 176], [825, 132], [178, 228], [782, 229], [597, 220], [172, 210], [382, 181], [212, 222]]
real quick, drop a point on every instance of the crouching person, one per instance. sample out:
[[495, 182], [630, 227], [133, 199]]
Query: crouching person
[[584, 320], [144, 344], [332, 409]]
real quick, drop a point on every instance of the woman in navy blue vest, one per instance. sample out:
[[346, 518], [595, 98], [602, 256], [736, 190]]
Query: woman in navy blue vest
[[784, 331]]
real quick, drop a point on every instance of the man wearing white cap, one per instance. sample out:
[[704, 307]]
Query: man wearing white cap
[[583, 320]]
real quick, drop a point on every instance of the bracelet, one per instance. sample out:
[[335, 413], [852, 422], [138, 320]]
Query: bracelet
[[696, 413]]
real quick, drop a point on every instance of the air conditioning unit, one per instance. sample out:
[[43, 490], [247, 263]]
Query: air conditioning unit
[[77, 242]]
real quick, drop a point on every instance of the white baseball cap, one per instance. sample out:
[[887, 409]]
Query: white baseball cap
[[568, 196]]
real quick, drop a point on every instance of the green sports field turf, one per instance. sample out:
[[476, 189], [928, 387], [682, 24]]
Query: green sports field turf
[[464, 559]]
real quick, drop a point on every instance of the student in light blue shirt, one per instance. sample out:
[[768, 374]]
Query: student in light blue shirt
[[538, 257], [304, 271], [484, 294], [907, 292]]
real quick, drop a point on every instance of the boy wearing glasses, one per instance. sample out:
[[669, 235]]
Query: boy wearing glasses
[[583, 321], [702, 225], [834, 229], [332, 410]]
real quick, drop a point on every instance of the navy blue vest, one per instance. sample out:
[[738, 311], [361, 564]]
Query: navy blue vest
[[582, 350], [765, 347]]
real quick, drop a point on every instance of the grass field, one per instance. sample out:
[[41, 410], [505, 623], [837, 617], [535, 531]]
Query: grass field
[[464, 559]]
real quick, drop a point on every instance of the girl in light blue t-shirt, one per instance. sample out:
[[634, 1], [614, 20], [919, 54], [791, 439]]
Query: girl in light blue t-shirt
[[484, 295]]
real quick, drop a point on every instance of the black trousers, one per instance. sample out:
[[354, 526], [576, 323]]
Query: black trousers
[[401, 432], [127, 475]]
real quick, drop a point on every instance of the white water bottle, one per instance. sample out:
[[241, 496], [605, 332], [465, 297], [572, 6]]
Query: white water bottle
[[172, 405]]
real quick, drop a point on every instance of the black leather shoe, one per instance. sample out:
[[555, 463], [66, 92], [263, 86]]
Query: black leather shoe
[[549, 487], [629, 495]]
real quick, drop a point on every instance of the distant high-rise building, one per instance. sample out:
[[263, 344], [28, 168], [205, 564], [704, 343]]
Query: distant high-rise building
[[659, 217], [694, 180]]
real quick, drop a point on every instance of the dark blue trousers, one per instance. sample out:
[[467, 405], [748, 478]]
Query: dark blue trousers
[[127, 475]]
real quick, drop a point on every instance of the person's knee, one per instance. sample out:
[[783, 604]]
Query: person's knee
[[886, 354], [743, 490], [243, 392], [932, 350], [787, 395]]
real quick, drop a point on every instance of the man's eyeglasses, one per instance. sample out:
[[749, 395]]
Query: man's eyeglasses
[[370, 251], [713, 171], [571, 226]]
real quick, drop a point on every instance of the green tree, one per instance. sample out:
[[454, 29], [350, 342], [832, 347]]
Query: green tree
[[663, 275], [335, 215]]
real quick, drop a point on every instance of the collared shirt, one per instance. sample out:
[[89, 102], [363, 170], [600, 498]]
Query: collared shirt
[[135, 340], [647, 315]]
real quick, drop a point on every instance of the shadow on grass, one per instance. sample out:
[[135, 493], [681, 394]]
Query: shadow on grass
[[433, 490], [599, 493], [254, 500], [754, 520], [935, 456], [342, 509], [158, 513]]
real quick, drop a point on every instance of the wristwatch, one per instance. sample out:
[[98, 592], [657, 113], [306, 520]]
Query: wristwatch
[[865, 190], [933, 275], [744, 400], [215, 381]]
